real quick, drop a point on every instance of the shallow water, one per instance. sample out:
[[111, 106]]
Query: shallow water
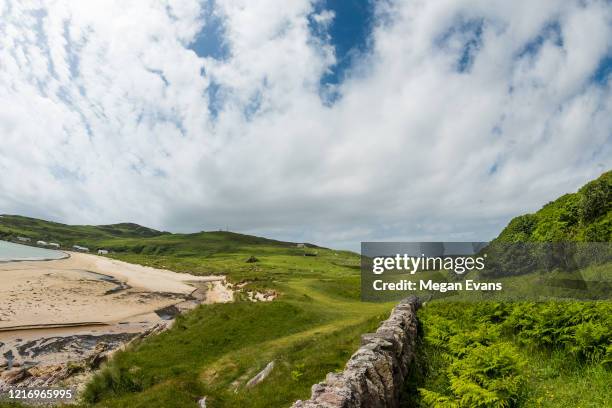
[[16, 252]]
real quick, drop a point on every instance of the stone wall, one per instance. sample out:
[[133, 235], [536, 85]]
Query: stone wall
[[375, 374]]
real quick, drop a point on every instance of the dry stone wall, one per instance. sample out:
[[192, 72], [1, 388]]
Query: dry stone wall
[[375, 374]]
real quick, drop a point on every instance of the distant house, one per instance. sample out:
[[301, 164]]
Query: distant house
[[80, 248], [301, 245], [54, 245], [102, 252], [41, 243], [23, 239]]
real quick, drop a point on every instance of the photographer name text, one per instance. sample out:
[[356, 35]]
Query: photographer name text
[[429, 285]]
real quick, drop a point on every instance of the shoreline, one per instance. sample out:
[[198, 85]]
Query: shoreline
[[67, 255]]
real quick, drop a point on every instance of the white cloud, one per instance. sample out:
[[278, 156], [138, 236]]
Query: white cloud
[[106, 116]]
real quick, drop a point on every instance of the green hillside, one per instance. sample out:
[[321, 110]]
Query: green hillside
[[526, 354], [584, 216], [215, 252], [12, 226]]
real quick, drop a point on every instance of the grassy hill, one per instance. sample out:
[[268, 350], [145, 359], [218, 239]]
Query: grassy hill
[[12, 226], [584, 216], [215, 252], [312, 328]]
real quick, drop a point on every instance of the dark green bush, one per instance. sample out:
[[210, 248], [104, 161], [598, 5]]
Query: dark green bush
[[595, 199]]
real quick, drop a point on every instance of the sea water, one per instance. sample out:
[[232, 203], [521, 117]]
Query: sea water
[[16, 252]]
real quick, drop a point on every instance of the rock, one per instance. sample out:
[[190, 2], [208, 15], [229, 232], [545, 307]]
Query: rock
[[202, 402], [92, 351], [261, 375], [168, 312], [98, 356], [15, 376], [375, 374]]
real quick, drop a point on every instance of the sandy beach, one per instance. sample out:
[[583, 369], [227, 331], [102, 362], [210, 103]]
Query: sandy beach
[[87, 288], [59, 311]]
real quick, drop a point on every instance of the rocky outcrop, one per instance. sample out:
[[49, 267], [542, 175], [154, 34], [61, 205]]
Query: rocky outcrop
[[375, 374], [94, 350]]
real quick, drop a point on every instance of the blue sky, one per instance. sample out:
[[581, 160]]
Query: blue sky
[[331, 122], [348, 33]]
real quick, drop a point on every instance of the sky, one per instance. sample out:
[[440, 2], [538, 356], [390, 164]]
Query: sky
[[332, 122]]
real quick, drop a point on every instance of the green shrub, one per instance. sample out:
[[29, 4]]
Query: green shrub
[[583, 329], [595, 199], [488, 376], [482, 370], [478, 347]]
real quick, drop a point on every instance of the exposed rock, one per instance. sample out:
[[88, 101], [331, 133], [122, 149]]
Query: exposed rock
[[96, 350], [79, 344], [14, 376], [267, 296], [202, 402], [261, 375], [168, 312], [98, 356], [375, 374]]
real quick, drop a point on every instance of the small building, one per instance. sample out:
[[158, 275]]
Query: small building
[[80, 248], [23, 239], [41, 243], [301, 245], [102, 251], [54, 245]]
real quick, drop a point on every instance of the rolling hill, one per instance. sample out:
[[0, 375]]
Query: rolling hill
[[16, 225]]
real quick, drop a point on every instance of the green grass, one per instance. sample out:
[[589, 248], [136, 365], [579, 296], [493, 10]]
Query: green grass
[[216, 349]]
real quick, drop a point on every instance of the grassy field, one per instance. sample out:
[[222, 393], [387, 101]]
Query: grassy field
[[216, 349]]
